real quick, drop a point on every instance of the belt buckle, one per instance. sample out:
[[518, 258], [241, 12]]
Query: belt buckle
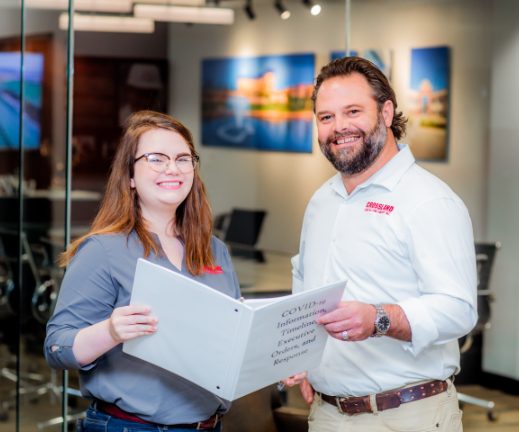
[[338, 401], [205, 424], [362, 405]]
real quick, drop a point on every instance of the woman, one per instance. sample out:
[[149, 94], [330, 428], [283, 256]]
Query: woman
[[155, 207]]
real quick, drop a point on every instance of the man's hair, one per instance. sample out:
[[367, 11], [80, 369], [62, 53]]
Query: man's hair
[[120, 210], [382, 90]]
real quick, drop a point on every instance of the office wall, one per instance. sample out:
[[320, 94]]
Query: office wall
[[282, 183], [501, 349]]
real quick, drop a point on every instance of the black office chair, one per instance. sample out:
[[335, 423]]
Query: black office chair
[[241, 229], [485, 255]]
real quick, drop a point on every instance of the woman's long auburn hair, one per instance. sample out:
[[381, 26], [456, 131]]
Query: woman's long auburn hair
[[120, 211]]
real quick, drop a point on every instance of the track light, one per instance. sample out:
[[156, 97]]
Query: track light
[[284, 13], [249, 11], [315, 8]]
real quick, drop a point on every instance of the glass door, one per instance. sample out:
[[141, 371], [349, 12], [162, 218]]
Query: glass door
[[34, 105]]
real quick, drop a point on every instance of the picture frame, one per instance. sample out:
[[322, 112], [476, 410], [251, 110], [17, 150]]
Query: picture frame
[[258, 103], [428, 103]]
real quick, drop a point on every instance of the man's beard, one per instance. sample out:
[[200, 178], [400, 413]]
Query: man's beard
[[349, 161]]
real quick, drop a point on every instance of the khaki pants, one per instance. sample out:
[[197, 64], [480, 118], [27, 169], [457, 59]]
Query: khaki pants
[[438, 413]]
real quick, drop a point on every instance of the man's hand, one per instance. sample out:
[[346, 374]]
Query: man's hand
[[356, 318], [306, 388], [129, 322], [295, 379], [307, 391]]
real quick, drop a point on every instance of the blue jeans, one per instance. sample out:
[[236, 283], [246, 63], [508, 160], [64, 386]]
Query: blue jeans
[[97, 421]]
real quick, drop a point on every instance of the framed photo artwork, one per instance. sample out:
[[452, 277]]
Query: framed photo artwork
[[428, 103], [259, 103]]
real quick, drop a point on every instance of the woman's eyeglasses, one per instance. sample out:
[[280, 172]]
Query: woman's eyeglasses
[[159, 162]]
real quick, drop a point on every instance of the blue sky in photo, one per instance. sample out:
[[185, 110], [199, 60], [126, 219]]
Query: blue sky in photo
[[431, 64], [289, 70]]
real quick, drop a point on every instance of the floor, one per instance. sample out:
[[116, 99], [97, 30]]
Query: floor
[[507, 411]]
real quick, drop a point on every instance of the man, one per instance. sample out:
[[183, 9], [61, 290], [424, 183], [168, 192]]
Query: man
[[403, 241]]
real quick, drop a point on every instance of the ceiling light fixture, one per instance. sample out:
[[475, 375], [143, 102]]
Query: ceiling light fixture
[[83, 5], [107, 23], [315, 8], [284, 13], [249, 11], [173, 2], [185, 14]]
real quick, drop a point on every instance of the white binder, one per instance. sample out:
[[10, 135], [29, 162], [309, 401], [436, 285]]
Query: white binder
[[228, 347]]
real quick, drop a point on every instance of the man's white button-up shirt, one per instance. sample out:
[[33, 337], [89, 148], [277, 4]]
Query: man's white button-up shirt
[[402, 237]]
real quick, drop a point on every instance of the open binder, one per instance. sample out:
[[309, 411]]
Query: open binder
[[227, 346]]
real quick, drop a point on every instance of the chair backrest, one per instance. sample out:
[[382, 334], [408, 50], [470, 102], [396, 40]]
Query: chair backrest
[[485, 256], [244, 227]]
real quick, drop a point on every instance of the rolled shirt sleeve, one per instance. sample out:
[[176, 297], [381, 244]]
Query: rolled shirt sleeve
[[87, 296], [441, 247]]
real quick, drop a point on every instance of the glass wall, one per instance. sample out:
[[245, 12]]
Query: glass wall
[[10, 65], [34, 77]]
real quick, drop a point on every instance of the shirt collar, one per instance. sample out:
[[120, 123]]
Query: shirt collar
[[388, 176]]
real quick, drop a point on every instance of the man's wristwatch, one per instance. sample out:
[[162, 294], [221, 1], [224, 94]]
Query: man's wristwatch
[[382, 322]]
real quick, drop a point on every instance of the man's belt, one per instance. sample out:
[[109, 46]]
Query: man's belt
[[115, 411], [387, 400]]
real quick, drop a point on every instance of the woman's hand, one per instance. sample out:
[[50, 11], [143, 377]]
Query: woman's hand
[[129, 322], [125, 323]]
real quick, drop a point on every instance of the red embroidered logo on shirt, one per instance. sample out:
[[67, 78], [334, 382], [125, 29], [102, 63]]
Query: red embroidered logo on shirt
[[376, 207], [213, 270]]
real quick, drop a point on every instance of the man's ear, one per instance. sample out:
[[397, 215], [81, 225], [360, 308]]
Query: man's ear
[[388, 111]]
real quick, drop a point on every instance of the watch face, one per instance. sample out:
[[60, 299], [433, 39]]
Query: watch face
[[383, 323]]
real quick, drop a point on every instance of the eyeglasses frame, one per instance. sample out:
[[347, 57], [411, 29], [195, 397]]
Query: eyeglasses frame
[[195, 157]]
